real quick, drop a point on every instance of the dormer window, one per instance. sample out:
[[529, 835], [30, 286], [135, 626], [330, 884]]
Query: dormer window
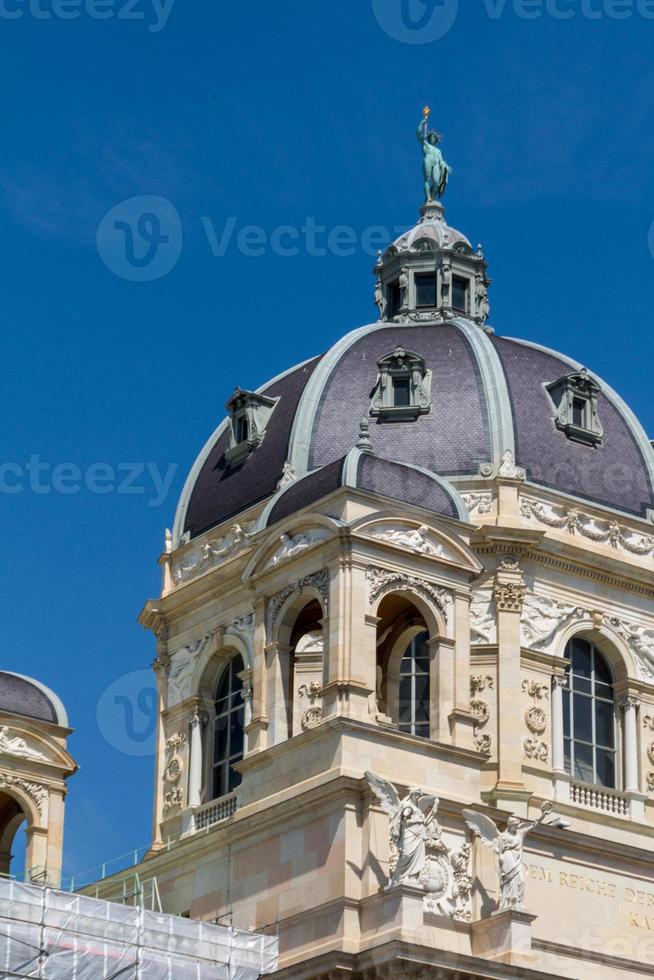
[[460, 292], [403, 389], [426, 296], [248, 416], [575, 402]]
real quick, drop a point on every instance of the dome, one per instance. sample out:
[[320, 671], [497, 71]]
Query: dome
[[24, 696], [488, 395], [432, 231]]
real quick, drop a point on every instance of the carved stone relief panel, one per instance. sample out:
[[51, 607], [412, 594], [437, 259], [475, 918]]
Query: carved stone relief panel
[[307, 675], [483, 621], [318, 581], [36, 792], [648, 725], [576, 523], [173, 794], [381, 581], [182, 667], [481, 711], [536, 748], [211, 554], [478, 503], [543, 617], [292, 545], [419, 540]]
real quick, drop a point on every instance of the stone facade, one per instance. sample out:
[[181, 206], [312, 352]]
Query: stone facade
[[332, 608], [34, 768]]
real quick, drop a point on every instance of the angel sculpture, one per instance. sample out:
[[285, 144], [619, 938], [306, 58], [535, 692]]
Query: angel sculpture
[[408, 829], [509, 848]]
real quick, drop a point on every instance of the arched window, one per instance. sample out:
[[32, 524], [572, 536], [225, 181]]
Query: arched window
[[414, 687], [589, 716], [13, 843], [228, 729]]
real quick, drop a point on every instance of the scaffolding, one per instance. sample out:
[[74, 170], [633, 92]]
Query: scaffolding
[[53, 935]]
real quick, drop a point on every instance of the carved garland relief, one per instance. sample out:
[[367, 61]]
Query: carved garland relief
[[37, 793], [382, 581], [536, 720], [481, 712], [577, 523], [648, 723], [173, 772], [318, 581]]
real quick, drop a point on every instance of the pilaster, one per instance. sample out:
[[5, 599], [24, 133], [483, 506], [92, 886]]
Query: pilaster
[[256, 728], [508, 595], [350, 669], [461, 720]]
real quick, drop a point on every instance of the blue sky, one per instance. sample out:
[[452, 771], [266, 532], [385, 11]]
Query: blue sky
[[271, 115]]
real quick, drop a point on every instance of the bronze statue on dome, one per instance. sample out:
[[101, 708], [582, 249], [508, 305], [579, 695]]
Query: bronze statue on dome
[[437, 172]]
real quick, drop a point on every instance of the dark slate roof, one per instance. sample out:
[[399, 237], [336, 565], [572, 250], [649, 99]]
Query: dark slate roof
[[406, 484], [222, 491], [453, 438], [20, 696], [482, 388], [613, 473], [306, 491], [380, 476]]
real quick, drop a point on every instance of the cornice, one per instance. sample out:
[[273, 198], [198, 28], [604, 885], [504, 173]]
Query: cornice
[[173, 607], [618, 581], [582, 562]]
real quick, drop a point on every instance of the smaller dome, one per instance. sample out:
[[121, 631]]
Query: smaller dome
[[432, 231], [363, 470], [24, 696]]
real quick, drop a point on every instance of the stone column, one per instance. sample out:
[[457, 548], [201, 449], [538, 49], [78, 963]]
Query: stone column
[[278, 693], [509, 596], [257, 728], [198, 721], [441, 684], [630, 704], [561, 778], [559, 682], [349, 658], [245, 676], [161, 667], [461, 720]]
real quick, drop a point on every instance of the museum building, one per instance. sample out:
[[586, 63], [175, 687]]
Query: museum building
[[407, 596], [426, 555]]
